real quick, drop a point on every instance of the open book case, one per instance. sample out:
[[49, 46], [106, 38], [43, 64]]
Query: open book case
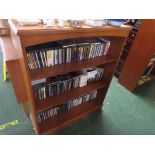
[[139, 66], [28, 36], [127, 47]]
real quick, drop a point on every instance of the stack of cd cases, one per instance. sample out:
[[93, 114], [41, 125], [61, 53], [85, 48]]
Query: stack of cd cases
[[44, 88], [66, 106]]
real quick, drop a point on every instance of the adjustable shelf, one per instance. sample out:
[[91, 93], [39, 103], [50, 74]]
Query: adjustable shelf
[[69, 95], [24, 36], [66, 118], [68, 67]]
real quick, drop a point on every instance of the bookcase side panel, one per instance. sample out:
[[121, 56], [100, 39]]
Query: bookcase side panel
[[25, 72], [139, 55], [116, 48]]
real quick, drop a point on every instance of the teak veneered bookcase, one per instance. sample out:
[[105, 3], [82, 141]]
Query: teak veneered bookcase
[[139, 56], [24, 36]]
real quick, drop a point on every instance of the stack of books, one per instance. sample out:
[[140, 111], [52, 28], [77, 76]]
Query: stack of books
[[66, 106], [65, 51], [44, 88]]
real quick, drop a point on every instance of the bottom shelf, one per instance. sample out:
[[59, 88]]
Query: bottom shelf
[[54, 124]]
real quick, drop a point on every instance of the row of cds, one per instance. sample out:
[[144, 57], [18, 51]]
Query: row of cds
[[54, 53], [56, 85], [66, 106]]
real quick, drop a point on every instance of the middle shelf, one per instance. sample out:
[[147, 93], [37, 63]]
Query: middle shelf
[[59, 69], [69, 95]]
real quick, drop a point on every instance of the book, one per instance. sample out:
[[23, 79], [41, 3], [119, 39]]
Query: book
[[83, 80], [39, 89]]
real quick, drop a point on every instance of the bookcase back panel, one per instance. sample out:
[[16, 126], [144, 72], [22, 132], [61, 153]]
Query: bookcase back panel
[[116, 47]]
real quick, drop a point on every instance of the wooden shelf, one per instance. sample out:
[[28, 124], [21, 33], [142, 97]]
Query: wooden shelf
[[67, 96], [60, 69], [25, 36], [41, 29], [54, 124]]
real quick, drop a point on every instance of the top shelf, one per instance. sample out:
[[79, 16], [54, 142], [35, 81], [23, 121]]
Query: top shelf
[[41, 29]]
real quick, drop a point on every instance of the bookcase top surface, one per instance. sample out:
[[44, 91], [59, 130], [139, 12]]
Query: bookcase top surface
[[8, 49], [41, 29]]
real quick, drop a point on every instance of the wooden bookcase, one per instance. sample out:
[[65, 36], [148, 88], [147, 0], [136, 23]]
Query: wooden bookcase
[[24, 36], [127, 47], [140, 55]]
